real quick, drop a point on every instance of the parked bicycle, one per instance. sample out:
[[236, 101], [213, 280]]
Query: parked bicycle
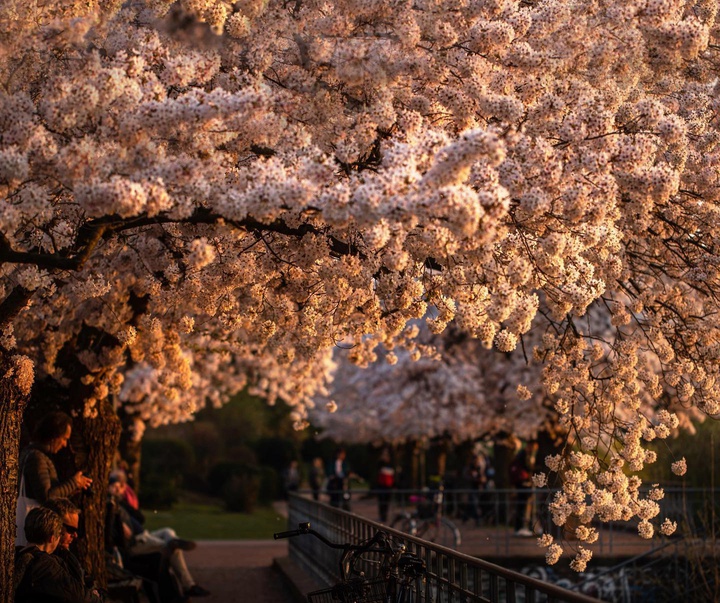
[[395, 576], [427, 521]]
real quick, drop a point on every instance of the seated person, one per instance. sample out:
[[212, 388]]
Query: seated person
[[125, 533], [41, 576], [70, 516]]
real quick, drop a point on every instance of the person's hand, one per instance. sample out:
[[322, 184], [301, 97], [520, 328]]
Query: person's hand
[[81, 481]]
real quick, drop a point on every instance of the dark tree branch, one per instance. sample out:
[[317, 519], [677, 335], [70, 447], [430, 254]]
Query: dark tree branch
[[13, 304]]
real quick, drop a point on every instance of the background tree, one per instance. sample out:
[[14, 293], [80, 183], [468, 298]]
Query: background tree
[[258, 181]]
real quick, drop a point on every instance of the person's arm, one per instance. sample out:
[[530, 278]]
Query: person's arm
[[64, 489]]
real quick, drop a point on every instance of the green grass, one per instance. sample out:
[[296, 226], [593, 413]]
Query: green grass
[[197, 519]]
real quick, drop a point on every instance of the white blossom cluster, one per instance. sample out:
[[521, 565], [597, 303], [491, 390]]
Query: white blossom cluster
[[229, 193], [455, 388]]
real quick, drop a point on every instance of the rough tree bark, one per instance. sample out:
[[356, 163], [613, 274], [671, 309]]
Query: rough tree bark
[[12, 404], [99, 436]]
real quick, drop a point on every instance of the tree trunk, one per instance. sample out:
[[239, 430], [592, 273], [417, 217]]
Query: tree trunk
[[99, 436], [94, 442], [12, 404]]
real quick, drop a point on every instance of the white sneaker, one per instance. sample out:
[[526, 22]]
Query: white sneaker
[[523, 532]]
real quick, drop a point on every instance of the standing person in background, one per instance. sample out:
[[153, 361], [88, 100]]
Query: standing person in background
[[385, 484], [338, 475], [316, 478], [38, 475], [474, 479], [521, 470]]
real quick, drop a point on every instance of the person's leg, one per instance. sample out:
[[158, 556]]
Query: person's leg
[[178, 565], [383, 504], [146, 543], [164, 534], [521, 507], [182, 573]]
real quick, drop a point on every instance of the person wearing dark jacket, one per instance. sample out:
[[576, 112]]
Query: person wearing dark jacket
[[40, 576], [41, 478], [70, 516], [38, 476]]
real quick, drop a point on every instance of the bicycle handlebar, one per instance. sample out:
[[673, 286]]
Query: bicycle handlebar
[[304, 528]]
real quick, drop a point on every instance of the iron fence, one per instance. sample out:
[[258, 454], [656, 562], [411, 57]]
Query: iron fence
[[452, 577]]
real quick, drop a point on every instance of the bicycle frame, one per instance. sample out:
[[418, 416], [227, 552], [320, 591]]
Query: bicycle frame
[[397, 570], [418, 525]]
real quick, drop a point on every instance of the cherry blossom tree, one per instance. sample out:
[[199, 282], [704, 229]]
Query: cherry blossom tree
[[200, 183], [455, 388]]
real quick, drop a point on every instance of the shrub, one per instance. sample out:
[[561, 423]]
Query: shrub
[[240, 492], [269, 485], [276, 452], [165, 462], [221, 472]]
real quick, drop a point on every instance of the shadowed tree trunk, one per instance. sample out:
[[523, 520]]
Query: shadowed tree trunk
[[12, 404], [99, 436]]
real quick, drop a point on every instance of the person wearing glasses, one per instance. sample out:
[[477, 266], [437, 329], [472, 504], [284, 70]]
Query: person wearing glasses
[[39, 574], [70, 516]]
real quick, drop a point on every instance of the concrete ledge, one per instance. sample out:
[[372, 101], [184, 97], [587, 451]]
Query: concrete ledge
[[297, 580]]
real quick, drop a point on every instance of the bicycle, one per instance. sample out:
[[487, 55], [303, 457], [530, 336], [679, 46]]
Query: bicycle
[[397, 572], [427, 521]]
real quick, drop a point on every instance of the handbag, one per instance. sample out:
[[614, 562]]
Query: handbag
[[24, 506]]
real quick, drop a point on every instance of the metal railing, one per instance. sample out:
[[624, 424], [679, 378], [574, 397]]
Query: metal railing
[[690, 508], [452, 576]]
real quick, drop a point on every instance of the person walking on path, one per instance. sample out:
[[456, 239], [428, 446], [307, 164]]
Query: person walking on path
[[385, 484], [521, 470], [339, 475]]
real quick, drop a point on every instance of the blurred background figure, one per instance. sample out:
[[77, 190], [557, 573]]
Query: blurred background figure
[[339, 475], [316, 477], [385, 484], [521, 470]]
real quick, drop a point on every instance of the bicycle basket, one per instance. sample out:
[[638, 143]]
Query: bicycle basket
[[364, 591]]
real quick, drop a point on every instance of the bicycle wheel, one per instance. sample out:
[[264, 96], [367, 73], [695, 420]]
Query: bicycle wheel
[[443, 532], [403, 522]]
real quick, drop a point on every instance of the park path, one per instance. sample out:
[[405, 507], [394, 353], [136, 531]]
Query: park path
[[240, 571]]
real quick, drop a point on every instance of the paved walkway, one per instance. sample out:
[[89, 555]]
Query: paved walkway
[[239, 571], [242, 570]]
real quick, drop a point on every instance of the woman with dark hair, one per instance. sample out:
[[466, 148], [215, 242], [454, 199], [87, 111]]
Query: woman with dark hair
[[38, 476]]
